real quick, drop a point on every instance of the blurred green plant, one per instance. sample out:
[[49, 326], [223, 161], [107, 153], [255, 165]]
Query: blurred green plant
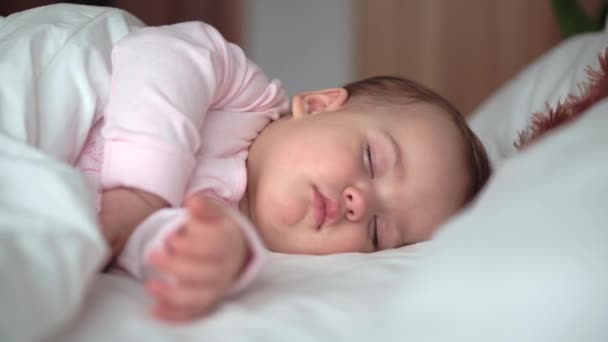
[[573, 19]]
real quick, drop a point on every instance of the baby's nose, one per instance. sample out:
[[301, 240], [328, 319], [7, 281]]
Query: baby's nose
[[356, 203]]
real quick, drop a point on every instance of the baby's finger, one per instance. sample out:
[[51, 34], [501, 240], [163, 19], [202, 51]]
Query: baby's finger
[[167, 311], [186, 270], [192, 247], [187, 300], [170, 315], [204, 208], [164, 309]]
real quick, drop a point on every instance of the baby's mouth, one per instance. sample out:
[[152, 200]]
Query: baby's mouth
[[319, 208], [325, 210]]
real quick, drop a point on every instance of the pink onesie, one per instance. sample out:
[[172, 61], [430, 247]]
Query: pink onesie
[[183, 109]]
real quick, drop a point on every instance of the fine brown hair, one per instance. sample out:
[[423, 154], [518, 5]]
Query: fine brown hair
[[391, 91]]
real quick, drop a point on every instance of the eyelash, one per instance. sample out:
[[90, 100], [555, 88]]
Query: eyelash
[[370, 163], [375, 238], [370, 160]]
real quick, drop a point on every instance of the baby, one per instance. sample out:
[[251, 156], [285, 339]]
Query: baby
[[199, 167]]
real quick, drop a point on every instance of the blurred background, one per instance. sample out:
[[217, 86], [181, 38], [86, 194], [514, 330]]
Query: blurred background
[[463, 49]]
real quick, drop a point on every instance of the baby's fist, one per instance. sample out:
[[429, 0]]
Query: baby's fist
[[202, 260]]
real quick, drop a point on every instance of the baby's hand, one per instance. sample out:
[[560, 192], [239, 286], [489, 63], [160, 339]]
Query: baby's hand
[[203, 259]]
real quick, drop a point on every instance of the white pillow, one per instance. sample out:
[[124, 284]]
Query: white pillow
[[549, 79], [528, 260]]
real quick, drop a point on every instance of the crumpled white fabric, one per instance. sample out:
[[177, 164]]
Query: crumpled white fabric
[[53, 83]]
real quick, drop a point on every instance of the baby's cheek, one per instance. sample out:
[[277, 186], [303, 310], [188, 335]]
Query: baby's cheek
[[339, 170], [289, 212], [280, 209]]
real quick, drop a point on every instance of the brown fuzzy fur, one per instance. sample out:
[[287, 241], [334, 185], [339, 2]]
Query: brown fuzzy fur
[[570, 109]]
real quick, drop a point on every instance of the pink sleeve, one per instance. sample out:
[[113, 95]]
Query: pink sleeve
[[164, 80], [151, 235]]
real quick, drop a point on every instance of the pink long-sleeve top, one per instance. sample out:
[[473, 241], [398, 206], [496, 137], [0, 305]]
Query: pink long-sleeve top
[[183, 109]]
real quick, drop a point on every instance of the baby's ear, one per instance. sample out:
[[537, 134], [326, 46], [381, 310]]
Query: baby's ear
[[313, 102]]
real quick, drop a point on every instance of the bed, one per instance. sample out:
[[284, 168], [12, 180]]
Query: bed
[[527, 261]]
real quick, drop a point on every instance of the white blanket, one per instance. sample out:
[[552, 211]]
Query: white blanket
[[52, 81], [526, 262]]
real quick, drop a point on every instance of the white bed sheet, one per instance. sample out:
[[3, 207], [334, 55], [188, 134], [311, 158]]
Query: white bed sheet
[[297, 298]]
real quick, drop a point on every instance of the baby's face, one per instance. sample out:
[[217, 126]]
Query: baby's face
[[348, 181]]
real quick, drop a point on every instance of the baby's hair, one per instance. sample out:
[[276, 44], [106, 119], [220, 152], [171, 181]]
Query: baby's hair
[[389, 92]]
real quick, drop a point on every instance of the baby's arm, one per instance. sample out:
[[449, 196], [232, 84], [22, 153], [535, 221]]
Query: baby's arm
[[123, 209], [164, 81], [191, 258]]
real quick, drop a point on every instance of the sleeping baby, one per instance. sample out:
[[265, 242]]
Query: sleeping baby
[[200, 166]]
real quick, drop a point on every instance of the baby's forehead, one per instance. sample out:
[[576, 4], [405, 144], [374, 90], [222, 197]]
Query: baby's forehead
[[422, 115], [425, 121], [428, 129]]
